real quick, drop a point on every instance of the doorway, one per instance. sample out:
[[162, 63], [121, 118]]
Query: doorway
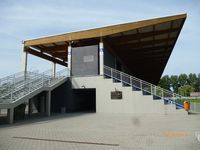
[[85, 100]]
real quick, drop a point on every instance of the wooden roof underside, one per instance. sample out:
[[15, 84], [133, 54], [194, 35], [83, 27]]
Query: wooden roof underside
[[144, 46]]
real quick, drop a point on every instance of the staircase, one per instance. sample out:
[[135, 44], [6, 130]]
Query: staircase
[[147, 88], [138, 97], [18, 88]]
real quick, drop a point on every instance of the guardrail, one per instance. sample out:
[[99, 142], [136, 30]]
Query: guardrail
[[14, 78], [142, 85], [16, 82], [29, 83]]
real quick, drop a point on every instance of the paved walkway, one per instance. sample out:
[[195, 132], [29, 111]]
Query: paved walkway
[[90, 131]]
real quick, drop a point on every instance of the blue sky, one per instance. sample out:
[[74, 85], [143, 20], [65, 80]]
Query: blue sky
[[26, 19]]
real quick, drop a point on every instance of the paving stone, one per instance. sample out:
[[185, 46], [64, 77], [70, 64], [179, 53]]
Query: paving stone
[[85, 131]]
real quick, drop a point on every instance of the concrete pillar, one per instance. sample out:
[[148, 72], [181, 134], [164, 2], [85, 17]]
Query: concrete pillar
[[48, 103], [10, 115], [42, 104], [69, 57], [101, 58], [30, 107], [53, 70]]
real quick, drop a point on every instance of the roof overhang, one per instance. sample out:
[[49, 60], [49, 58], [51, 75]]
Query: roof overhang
[[143, 46]]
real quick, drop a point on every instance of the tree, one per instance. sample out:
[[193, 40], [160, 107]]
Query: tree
[[165, 82], [182, 79], [174, 83], [192, 80], [185, 90], [198, 83]]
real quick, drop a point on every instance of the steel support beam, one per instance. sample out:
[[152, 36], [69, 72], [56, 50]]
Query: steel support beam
[[101, 57], [44, 56]]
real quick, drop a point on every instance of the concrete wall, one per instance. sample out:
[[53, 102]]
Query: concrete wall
[[71, 99], [63, 96], [59, 98], [85, 61], [132, 101]]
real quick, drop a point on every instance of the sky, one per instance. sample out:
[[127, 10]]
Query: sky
[[27, 19]]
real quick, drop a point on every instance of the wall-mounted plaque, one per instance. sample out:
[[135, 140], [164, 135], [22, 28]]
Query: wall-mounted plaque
[[116, 95], [89, 58]]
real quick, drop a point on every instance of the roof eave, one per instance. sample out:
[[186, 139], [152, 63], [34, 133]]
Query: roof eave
[[101, 32]]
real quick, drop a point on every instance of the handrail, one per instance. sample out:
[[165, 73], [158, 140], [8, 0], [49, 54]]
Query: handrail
[[29, 77], [63, 71], [37, 85], [13, 79], [32, 81], [140, 84], [21, 86]]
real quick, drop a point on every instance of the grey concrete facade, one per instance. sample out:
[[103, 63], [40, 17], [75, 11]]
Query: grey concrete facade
[[85, 61], [133, 102]]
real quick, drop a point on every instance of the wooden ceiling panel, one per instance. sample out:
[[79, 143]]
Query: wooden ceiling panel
[[141, 43], [138, 36], [44, 56], [146, 29], [143, 50], [55, 48], [177, 23]]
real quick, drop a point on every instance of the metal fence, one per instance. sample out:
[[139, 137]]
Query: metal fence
[[18, 85], [138, 84]]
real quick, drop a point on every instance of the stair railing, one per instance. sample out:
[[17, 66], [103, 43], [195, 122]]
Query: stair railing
[[32, 82], [14, 78], [9, 79], [26, 87], [59, 76], [17, 81], [142, 85], [31, 77]]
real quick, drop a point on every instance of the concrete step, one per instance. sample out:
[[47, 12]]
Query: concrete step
[[133, 101]]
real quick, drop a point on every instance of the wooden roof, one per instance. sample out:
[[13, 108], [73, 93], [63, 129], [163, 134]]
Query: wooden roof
[[144, 44]]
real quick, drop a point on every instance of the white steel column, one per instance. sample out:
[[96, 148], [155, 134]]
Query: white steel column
[[26, 60], [69, 58], [53, 70], [101, 61], [24, 64]]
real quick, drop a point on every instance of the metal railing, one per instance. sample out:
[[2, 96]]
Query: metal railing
[[12, 82], [146, 87], [14, 78], [29, 82]]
